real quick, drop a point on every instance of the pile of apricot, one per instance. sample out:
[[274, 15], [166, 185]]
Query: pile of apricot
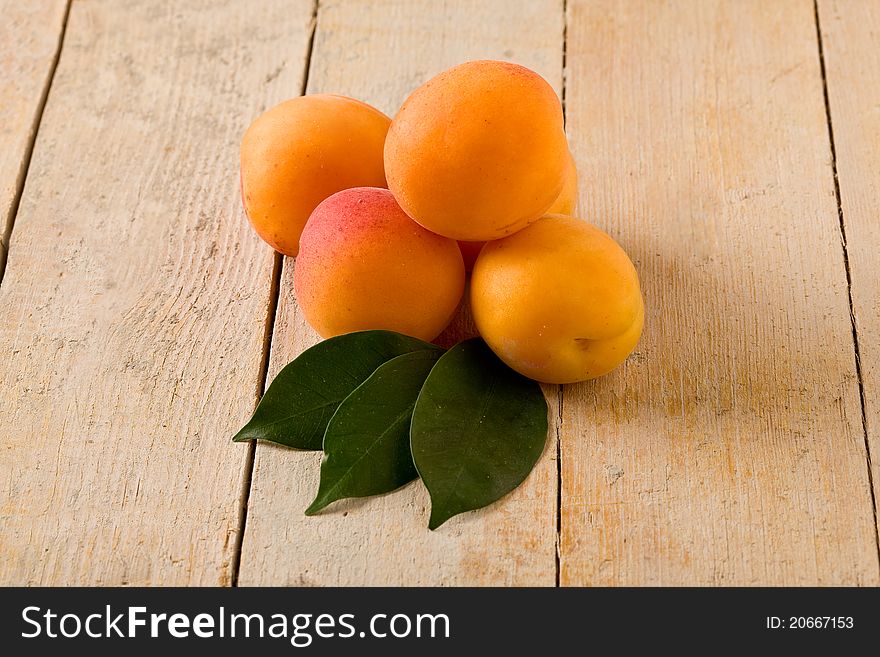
[[386, 216]]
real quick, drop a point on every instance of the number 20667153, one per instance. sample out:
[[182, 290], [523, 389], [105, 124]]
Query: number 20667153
[[810, 623]]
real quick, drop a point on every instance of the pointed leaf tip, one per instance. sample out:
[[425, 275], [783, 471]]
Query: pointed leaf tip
[[478, 428], [300, 401], [366, 446], [314, 508]]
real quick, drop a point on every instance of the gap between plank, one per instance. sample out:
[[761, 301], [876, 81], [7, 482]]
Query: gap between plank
[[6, 237], [269, 331], [852, 316], [560, 394], [559, 402]]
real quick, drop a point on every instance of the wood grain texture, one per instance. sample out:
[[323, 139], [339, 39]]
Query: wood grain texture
[[30, 34], [135, 296], [380, 51], [851, 44], [729, 449]]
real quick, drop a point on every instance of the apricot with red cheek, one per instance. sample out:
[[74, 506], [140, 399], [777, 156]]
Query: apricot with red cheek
[[364, 264]]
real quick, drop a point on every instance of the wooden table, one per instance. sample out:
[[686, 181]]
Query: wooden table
[[732, 147]]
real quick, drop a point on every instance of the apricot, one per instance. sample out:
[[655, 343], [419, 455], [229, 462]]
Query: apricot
[[300, 152], [565, 203], [364, 264], [559, 301], [477, 152]]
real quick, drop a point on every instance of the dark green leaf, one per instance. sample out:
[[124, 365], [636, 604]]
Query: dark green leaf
[[478, 429], [303, 397], [366, 446]]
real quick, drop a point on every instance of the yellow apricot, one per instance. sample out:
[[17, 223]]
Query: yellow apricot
[[477, 152], [300, 152], [364, 264], [559, 301]]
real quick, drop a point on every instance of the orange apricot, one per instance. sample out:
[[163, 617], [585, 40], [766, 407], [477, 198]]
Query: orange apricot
[[300, 152], [477, 152], [364, 264], [559, 301], [567, 201]]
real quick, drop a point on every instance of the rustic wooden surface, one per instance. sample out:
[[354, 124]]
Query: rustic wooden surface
[[851, 45], [135, 298], [30, 36], [730, 449], [734, 447]]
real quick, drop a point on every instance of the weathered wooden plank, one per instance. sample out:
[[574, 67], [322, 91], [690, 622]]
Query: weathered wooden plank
[[30, 37], [379, 52], [729, 449], [135, 296], [851, 45]]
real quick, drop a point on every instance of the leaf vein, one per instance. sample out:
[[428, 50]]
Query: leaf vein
[[299, 414], [471, 446], [345, 476]]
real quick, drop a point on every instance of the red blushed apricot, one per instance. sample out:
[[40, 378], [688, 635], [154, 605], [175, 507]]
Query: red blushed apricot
[[300, 152], [477, 152], [364, 264]]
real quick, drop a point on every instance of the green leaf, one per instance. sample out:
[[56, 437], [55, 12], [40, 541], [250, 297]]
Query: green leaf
[[478, 429], [366, 446], [303, 397]]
